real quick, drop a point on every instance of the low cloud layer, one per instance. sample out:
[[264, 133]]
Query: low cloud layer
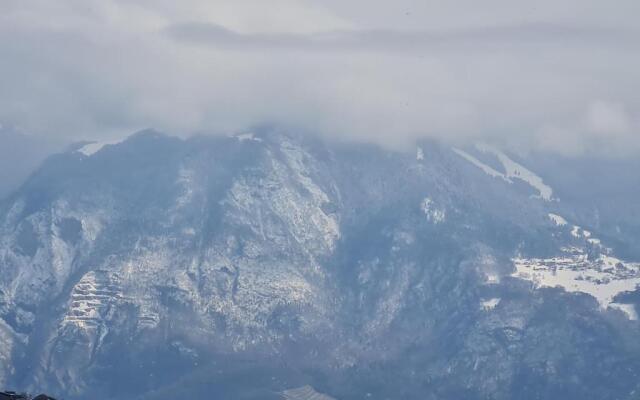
[[557, 76]]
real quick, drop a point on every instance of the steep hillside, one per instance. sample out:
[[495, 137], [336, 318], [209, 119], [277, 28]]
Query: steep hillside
[[251, 265]]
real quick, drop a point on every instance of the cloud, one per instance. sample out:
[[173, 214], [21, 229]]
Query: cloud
[[390, 41], [608, 119], [604, 128], [557, 76]]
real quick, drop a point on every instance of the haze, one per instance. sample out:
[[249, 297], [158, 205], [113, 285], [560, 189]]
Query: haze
[[556, 76]]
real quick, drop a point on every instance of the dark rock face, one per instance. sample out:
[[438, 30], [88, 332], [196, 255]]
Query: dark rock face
[[12, 396], [249, 265], [43, 397]]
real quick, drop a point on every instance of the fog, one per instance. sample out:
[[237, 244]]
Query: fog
[[556, 76]]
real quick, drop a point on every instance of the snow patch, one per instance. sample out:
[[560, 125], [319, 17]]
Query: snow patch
[[484, 167], [91, 300], [92, 148], [578, 232], [490, 304], [247, 136], [304, 393], [513, 170], [558, 220], [186, 180], [434, 214], [419, 154], [603, 277], [628, 309], [575, 232]]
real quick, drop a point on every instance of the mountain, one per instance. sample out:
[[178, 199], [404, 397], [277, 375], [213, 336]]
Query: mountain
[[601, 192], [249, 267]]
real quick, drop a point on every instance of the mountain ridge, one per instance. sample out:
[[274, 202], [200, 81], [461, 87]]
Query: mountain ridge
[[158, 259]]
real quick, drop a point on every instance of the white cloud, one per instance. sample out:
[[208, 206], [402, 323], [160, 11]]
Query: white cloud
[[387, 72], [604, 128], [608, 119]]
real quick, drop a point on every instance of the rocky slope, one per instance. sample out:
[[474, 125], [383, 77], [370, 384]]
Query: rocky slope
[[249, 265]]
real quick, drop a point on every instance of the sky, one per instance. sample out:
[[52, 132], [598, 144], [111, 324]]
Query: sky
[[551, 75]]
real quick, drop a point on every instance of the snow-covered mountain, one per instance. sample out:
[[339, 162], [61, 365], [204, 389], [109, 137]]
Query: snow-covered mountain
[[252, 265]]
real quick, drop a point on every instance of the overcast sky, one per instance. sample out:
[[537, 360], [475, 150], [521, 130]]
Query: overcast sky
[[558, 75]]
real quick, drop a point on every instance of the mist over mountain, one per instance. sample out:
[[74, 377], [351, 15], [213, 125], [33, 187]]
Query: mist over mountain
[[556, 77], [20, 155], [339, 199], [253, 265]]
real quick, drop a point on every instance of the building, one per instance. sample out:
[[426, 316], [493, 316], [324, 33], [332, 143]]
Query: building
[[12, 396]]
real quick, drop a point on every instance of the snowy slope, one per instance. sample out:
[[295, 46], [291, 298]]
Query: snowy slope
[[512, 169], [166, 263]]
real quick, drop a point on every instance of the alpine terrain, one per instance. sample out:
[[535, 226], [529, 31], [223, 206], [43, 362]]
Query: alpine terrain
[[268, 266]]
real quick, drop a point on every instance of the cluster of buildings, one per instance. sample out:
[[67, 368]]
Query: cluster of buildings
[[23, 396]]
